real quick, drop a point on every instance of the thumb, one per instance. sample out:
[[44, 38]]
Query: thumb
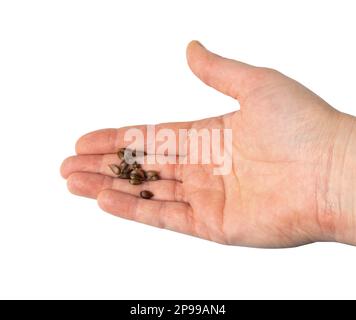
[[230, 77]]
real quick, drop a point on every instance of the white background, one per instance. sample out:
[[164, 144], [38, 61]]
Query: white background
[[69, 67]]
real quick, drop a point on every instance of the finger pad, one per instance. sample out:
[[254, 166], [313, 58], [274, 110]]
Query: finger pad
[[85, 185], [97, 142], [116, 203]]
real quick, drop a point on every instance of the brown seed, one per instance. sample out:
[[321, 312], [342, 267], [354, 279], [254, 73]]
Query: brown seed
[[121, 153], [115, 169], [154, 178], [137, 174], [152, 175], [136, 165], [146, 195], [124, 175], [135, 177], [135, 182], [132, 170], [125, 168]]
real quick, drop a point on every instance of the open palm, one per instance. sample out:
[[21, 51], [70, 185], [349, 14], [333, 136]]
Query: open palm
[[281, 138]]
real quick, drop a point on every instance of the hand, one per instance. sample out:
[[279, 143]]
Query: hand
[[287, 159]]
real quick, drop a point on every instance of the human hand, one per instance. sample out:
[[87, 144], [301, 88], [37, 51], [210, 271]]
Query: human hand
[[291, 156]]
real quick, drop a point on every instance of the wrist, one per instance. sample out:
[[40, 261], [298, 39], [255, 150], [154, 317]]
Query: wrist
[[337, 197]]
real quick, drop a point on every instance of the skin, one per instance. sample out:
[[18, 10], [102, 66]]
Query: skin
[[294, 166]]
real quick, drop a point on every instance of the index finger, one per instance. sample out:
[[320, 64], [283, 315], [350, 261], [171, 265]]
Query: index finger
[[110, 140]]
